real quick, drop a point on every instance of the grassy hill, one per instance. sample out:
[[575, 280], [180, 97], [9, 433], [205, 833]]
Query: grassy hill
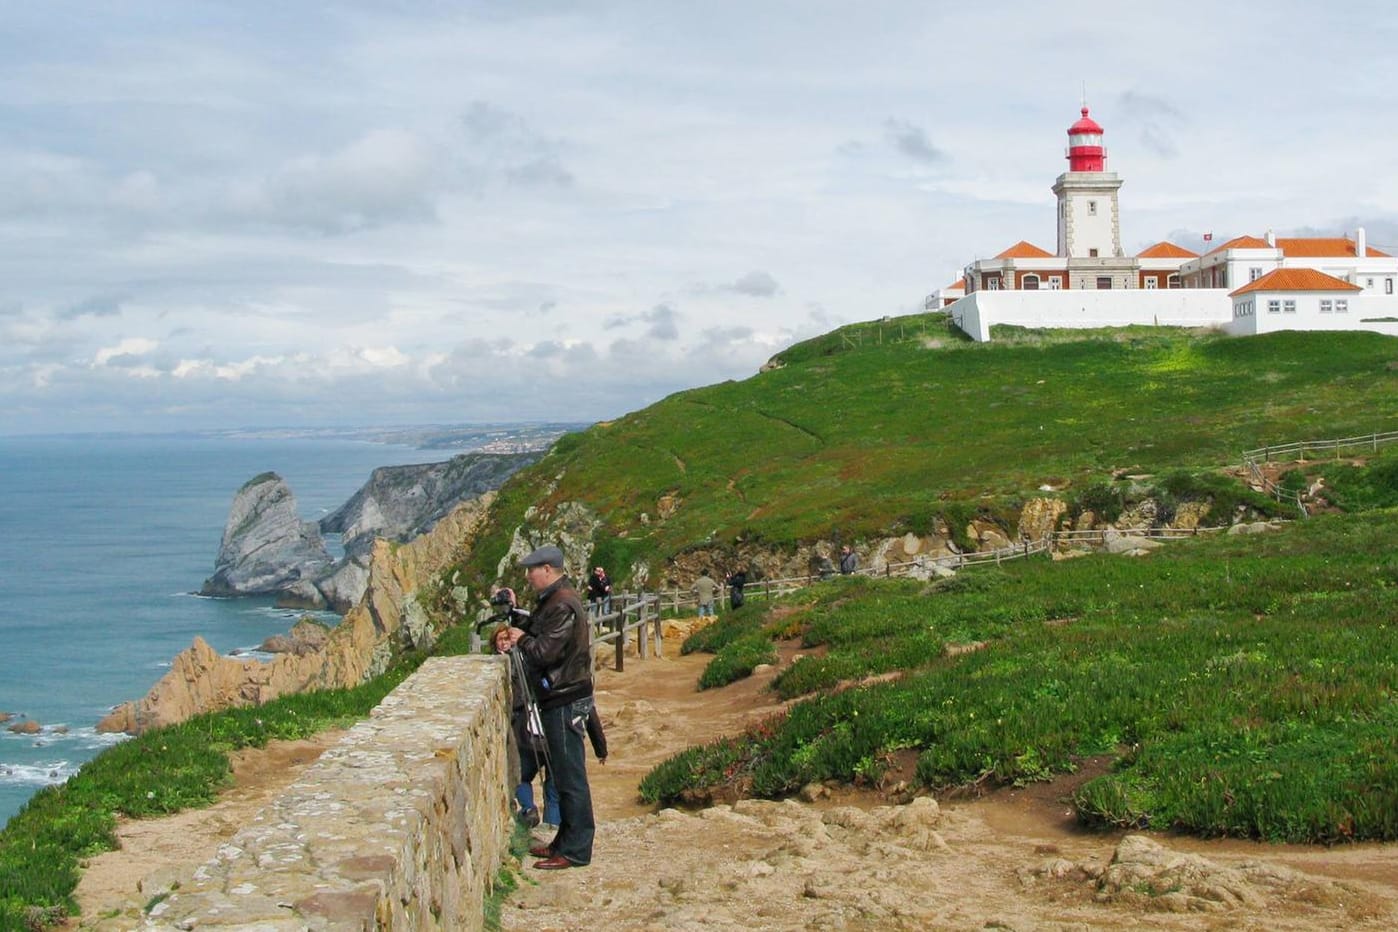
[[881, 428], [1239, 685]]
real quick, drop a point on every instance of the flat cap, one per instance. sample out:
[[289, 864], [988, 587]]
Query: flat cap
[[549, 555]]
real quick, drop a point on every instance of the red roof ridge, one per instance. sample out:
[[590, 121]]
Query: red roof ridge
[[1241, 242], [1295, 280], [1166, 250], [1324, 247], [1025, 250]]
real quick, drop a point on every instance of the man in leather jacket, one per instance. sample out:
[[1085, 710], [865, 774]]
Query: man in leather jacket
[[557, 649]]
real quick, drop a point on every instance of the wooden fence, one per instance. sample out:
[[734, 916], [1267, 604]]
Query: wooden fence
[[633, 615], [638, 614], [1287, 452]]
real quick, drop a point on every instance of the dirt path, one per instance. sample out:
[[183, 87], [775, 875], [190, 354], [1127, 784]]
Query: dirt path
[[851, 860]]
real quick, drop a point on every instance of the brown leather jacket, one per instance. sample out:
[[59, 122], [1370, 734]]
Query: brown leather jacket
[[557, 646]]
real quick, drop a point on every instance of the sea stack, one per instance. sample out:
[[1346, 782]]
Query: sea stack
[[266, 546]]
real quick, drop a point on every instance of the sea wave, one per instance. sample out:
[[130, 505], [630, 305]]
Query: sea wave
[[41, 774]]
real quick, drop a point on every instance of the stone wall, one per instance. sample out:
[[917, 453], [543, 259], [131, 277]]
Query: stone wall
[[401, 825]]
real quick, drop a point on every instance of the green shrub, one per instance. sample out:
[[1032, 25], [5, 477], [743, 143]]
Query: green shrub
[[736, 660]]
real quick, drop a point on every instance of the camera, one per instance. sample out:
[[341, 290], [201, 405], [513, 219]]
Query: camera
[[501, 598]]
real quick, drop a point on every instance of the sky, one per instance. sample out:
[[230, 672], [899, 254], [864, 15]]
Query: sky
[[384, 212]]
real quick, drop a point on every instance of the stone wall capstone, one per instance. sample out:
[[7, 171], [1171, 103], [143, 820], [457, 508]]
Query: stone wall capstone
[[402, 825]]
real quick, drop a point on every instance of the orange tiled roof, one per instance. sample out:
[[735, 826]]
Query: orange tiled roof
[[1323, 247], [959, 283], [1240, 242], [1296, 280], [1025, 250], [1164, 250]]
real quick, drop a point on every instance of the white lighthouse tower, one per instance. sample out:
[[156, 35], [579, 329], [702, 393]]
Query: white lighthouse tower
[[1089, 225]]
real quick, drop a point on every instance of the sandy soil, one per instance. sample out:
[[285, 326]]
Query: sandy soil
[[847, 860]]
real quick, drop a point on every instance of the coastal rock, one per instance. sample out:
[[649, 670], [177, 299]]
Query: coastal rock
[[345, 584], [27, 727], [403, 502], [305, 637], [266, 547], [302, 594], [358, 648]]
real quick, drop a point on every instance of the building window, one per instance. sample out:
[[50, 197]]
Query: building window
[[1341, 305], [1173, 281], [1326, 306], [1368, 283], [1029, 282], [1254, 274], [1104, 283], [1055, 283], [1152, 283], [992, 284], [1273, 307], [1388, 286], [1289, 306], [1092, 208]]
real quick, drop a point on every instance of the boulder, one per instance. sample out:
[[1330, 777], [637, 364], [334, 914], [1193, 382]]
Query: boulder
[[266, 547], [27, 727]]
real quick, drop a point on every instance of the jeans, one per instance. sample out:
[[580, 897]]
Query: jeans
[[706, 609], [564, 728], [524, 793]]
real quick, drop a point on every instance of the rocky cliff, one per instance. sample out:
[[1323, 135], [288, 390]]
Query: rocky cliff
[[360, 646], [266, 546], [401, 502]]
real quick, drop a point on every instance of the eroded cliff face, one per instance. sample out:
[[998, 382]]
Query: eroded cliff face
[[359, 647], [266, 547], [402, 502]]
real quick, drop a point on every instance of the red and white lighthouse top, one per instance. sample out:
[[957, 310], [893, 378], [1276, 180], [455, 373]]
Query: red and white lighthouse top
[[1085, 152]]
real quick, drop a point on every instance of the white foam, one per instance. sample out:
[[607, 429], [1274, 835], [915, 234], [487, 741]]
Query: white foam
[[44, 774]]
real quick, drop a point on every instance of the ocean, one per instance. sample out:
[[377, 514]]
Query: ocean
[[103, 541]]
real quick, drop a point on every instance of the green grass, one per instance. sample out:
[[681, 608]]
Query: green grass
[[1244, 686], [160, 772], [882, 428]]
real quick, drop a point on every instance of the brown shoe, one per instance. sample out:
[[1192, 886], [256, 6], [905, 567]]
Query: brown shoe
[[541, 850], [555, 863]]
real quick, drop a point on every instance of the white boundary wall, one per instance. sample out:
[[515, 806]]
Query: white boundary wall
[[1078, 309]]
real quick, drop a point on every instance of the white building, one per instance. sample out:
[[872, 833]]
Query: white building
[[1089, 282]]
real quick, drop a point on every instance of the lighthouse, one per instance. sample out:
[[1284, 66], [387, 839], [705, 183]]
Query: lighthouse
[[1089, 225]]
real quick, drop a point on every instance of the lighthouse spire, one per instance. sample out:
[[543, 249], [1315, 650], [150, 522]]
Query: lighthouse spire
[[1085, 151]]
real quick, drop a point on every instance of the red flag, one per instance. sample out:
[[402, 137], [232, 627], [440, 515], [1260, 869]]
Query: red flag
[[1208, 236]]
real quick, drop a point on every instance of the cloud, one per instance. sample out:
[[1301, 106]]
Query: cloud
[[123, 352], [912, 141], [502, 144], [1155, 118], [103, 305], [757, 284], [661, 322], [386, 176]]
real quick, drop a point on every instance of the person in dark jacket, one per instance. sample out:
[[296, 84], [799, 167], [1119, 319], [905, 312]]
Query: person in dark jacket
[[558, 650], [848, 561], [736, 581], [599, 592]]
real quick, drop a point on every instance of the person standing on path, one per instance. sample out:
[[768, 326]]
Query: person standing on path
[[557, 649], [848, 561], [599, 592], [705, 588]]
